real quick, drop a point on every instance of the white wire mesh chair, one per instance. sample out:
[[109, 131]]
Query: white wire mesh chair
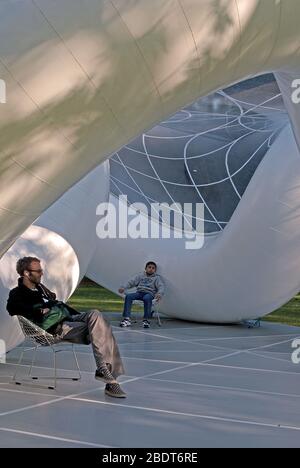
[[155, 309], [41, 338]]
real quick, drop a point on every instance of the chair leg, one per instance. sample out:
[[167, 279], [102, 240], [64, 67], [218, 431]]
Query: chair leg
[[17, 368], [156, 311], [158, 319], [32, 362], [53, 376], [77, 364], [55, 370]]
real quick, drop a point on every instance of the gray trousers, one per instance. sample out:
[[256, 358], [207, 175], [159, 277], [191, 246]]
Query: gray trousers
[[92, 328]]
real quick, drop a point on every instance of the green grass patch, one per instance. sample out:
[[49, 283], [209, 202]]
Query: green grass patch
[[91, 296], [288, 314]]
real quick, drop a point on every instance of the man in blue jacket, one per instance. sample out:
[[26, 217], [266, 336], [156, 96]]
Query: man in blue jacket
[[149, 285]]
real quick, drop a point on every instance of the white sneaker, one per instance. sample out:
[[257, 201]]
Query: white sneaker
[[146, 324], [126, 322]]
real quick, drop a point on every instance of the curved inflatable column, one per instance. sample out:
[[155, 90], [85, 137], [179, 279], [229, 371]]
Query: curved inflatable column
[[248, 271], [73, 217], [84, 78], [64, 238]]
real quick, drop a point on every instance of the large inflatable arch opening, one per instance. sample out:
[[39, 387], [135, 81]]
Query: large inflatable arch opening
[[191, 101]]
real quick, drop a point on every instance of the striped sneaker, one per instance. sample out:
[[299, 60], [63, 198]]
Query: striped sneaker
[[114, 390], [146, 324], [126, 322], [104, 374]]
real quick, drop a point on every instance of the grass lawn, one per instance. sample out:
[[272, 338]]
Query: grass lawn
[[288, 314], [91, 296]]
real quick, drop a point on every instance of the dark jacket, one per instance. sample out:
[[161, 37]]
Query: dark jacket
[[23, 301]]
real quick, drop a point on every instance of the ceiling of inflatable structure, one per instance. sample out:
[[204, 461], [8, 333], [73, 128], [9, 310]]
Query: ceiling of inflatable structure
[[206, 153]]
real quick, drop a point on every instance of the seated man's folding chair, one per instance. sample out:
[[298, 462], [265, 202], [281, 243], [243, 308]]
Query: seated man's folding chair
[[155, 309], [41, 338], [256, 323]]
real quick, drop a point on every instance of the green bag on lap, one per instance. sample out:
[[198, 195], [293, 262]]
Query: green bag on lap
[[57, 313]]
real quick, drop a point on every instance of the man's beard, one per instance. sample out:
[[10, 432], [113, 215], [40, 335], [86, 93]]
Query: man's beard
[[36, 282]]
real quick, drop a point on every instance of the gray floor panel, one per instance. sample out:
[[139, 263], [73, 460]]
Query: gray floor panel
[[14, 401], [264, 343], [236, 378], [275, 355], [219, 403], [10, 438], [225, 333], [188, 386], [127, 426], [140, 368], [138, 337], [174, 346], [181, 356], [254, 361]]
